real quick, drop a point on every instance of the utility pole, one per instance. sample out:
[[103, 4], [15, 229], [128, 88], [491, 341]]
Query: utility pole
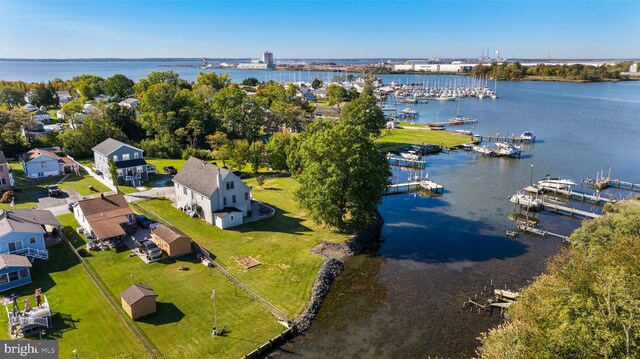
[[215, 318], [532, 174]]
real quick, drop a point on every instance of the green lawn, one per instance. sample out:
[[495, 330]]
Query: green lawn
[[27, 190], [400, 137], [83, 319], [182, 326], [281, 243]]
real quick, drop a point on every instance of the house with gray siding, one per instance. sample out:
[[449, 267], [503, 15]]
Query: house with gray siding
[[212, 193], [132, 168], [6, 178], [24, 232]]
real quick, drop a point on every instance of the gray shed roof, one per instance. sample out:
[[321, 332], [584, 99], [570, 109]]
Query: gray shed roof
[[200, 176], [136, 292], [13, 260], [109, 145]]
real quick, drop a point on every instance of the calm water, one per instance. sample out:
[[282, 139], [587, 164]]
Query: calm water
[[403, 297]]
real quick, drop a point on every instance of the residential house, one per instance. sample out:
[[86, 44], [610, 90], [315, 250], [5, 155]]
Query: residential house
[[45, 162], [25, 231], [129, 102], [138, 300], [87, 108], [102, 97], [327, 112], [320, 93], [171, 240], [40, 115], [132, 168], [63, 97], [30, 108], [14, 271], [105, 217], [213, 193], [6, 178]]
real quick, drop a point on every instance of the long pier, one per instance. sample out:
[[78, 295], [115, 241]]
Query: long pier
[[556, 208], [538, 232], [579, 195], [510, 139], [455, 122], [415, 186], [602, 183], [405, 162]]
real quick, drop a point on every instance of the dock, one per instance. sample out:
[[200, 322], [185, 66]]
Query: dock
[[603, 183], [395, 160], [572, 194], [413, 186], [541, 233], [454, 122], [510, 139], [556, 208]]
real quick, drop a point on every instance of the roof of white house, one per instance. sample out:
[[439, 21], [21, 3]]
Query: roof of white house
[[109, 145], [200, 176]]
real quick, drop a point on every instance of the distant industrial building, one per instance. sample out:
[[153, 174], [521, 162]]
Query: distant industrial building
[[265, 64], [427, 66], [633, 71]]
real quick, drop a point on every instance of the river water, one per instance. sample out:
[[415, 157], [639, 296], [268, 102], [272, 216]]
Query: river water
[[403, 297]]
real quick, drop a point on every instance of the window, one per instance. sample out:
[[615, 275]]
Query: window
[[15, 246], [184, 190], [3, 181], [115, 158], [135, 155], [224, 201], [232, 218], [1, 168], [32, 240], [43, 164], [233, 198], [230, 185], [246, 196], [3, 278], [125, 157], [24, 273], [13, 276]]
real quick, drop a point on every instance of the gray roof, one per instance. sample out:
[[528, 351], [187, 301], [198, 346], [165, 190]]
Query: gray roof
[[40, 112], [200, 176], [2, 158], [26, 220], [13, 260], [136, 292], [109, 145]]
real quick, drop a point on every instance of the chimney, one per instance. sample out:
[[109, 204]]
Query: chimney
[[219, 186], [101, 195]]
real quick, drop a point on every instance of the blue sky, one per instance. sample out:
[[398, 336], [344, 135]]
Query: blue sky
[[319, 29]]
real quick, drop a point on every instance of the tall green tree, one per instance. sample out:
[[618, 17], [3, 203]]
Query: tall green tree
[[95, 129], [11, 96], [344, 176], [256, 156], [88, 86], [214, 80], [336, 94], [113, 172], [276, 150], [316, 84], [12, 142], [45, 95], [119, 86], [238, 154], [364, 113]]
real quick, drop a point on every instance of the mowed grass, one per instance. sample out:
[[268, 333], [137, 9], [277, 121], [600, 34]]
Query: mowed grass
[[27, 190], [280, 243], [82, 317], [401, 137], [182, 326]]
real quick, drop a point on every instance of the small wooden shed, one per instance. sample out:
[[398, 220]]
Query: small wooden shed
[[171, 240], [139, 300]]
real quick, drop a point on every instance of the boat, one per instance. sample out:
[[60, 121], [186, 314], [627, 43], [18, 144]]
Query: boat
[[388, 109], [445, 97], [556, 183], [528, 136], [463, 132], [410, 155], [507, 149], [526, 200], [458, 120], [484, 150], [409, 111]]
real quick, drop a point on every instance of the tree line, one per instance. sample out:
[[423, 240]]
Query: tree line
[[575, 72]]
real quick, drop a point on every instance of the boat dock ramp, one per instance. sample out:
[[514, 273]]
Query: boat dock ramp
[[416, 185], [571, 194], [510, 139], [396, 160]]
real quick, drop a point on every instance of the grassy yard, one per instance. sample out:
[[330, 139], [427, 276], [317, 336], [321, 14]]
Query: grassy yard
[[182, 326], [281, 243], [29, 189], [82, 317], [401, 137]]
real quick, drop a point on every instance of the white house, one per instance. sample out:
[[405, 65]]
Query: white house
[[213, 193], [63, 96], [129, 102], [102, 97], [40, 115]]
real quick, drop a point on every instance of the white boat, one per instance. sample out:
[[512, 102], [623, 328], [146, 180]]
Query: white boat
[[410, 155], [484, 150], [507, 149], [409, 111], [526, 200], [528, 136], [444, 97], [463, 132], [556, 183]]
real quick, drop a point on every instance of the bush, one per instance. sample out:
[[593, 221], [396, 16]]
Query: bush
[[7, 196], [260, 179], [195, 152]]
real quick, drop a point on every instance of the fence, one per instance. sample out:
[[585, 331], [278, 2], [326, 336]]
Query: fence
[[94, 175], [270, 307]]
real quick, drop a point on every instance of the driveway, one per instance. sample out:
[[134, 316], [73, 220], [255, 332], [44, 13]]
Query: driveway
[[166, 192], [130, 242]]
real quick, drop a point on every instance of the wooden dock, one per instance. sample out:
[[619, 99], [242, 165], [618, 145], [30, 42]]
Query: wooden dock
[[579, 195], [556, 208], [541, 233], [514, 139], [603, 183], [413, 186], [395, 160], [455, 122]]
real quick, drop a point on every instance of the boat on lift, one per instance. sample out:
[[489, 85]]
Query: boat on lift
[[528, 136], [507, 149], [526, 200], [556, 183]]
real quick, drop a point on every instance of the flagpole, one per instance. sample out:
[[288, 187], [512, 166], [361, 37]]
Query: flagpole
[[215, 317]]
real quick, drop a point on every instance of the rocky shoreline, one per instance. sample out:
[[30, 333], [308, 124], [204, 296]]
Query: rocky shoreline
[[334, 255]]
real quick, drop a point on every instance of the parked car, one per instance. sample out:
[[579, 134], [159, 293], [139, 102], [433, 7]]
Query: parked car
[[150, 249], [72, 205], [54, 190], [143, 221], [170, 170]]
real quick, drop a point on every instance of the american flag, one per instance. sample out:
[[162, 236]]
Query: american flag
[[213, 295]]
